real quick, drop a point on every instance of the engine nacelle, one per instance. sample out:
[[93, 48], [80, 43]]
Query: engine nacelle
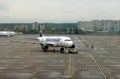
[[73, 46]]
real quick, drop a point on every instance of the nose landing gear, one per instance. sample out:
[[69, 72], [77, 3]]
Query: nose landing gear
[[72, 51], [62, 50]]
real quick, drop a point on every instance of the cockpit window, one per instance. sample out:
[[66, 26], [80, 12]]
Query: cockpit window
[[67, 40]]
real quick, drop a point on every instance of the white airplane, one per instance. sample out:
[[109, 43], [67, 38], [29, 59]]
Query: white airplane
[[55, 41], [7, 33]]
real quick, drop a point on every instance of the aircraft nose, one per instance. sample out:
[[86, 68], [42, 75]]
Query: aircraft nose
[[70, 43]]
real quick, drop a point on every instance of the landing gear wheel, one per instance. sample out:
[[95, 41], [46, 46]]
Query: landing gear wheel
[[69, 51], [44, 48], [73, 46], [62, 50]]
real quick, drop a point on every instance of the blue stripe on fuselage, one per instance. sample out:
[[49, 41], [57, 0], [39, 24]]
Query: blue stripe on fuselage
[[53, 39]]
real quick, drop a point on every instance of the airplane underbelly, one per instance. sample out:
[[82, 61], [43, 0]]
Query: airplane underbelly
[[58, 44]]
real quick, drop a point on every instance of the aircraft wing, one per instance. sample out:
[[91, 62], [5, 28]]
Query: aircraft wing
[[50, 44]]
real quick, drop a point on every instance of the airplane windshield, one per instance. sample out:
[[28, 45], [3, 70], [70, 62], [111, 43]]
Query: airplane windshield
[[67, 40]]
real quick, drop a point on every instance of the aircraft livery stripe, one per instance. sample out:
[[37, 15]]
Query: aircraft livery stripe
[[53, 39]]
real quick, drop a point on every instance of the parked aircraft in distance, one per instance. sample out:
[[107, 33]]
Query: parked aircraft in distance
[[7, 33]]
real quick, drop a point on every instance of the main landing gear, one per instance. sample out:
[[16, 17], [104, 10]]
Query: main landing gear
[[62, 50], [71, 50]]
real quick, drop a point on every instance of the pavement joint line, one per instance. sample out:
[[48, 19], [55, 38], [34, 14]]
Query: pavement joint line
[[84, 42], [100, 69], [69, 66]]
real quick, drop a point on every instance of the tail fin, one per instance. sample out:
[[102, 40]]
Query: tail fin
[[40, 28]]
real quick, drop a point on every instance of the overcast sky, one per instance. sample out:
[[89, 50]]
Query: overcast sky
[[58, 10]]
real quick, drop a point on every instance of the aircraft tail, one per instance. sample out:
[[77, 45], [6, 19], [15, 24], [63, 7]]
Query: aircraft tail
[[40, 28]]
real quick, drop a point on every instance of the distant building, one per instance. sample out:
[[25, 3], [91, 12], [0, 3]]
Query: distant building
[[68, 30], [100, 25], [26, 27], [21, 28], [72, 30], [16, 28], [5, 29], [35, 26], [86, 25]]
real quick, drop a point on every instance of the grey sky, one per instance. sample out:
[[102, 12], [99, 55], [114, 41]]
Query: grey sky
[[58, 10]]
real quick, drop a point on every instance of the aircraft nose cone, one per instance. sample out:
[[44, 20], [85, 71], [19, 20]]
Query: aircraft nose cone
[[70, 43]]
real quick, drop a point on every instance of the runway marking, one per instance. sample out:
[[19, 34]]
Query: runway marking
[[69, 66], [100, 69]]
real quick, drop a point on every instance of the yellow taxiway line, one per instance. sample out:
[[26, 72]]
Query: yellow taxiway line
[[69, 66], [98, 67]]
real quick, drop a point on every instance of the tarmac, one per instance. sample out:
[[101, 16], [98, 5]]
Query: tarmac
[[98, 58]]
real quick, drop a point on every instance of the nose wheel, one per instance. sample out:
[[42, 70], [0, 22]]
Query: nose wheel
[[61, 50], [68, 50]]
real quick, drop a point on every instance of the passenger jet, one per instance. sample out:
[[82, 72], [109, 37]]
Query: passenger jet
[[55, 41], [7, 33]]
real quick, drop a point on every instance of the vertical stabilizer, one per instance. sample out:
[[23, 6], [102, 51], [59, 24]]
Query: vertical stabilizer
[[40, 29]]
